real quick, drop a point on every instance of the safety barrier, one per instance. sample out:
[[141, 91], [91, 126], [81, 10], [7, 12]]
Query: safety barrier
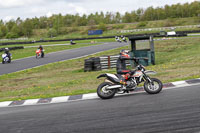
[[104, 62]]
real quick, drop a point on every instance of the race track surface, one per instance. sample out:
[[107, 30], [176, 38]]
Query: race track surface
[[31, 62], [171, 111]]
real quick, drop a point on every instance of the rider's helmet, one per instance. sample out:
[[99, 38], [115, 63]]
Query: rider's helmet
[[6, 50], [125, 53], [40, 47]]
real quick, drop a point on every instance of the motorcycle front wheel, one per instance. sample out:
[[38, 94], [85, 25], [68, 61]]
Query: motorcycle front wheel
[[103, 93], [153, 87], [37, 56], [9, 61]]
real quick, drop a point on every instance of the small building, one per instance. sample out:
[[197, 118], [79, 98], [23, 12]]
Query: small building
[[143, 47]]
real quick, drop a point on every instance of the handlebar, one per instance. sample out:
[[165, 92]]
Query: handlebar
[[137, 59]]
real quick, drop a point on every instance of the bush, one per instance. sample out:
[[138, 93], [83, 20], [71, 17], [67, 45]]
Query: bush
[[118, 26], [169, 22], [11, 35], [142, 24], [52, 33], [102, 26]]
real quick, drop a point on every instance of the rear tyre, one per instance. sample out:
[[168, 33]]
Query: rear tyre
[[103, 93], [3, 61], [154, 87], [42, 55]]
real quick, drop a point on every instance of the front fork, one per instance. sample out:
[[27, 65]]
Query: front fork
[[147, 78]]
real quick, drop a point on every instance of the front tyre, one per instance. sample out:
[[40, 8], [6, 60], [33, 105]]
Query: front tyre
[[37, 56], [9, 61], [153, 87], [103, 93]]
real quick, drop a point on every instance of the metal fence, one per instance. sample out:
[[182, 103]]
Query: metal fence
[[160, 29]]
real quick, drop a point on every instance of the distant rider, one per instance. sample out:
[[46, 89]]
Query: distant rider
[[123, 38], [42, 50], [117, 39], [6, 50], [71, 42]]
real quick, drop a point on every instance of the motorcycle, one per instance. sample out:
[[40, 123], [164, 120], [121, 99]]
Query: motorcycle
[[117, 39], [124, 39], [39, 53], [116, 83], [5, 58]]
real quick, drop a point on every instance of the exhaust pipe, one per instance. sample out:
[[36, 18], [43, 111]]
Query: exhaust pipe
[[113, 87]]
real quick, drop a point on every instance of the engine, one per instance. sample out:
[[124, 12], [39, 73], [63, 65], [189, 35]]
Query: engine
[[131, 84]]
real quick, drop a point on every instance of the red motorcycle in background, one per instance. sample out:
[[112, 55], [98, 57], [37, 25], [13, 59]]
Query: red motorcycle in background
[[39, 53]]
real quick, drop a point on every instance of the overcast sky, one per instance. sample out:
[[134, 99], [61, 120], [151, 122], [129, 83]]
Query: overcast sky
[[12, 9]]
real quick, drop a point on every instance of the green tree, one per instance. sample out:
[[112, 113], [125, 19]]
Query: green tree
[[27, 27], [52, 32], [3, 30]]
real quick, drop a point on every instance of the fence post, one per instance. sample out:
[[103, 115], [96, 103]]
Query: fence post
[[108, 62]]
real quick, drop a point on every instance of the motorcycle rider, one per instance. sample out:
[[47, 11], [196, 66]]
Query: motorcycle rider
[[117, 39], [123, 38], [42, 50], [121, 65], [72, 42], [6, 51]]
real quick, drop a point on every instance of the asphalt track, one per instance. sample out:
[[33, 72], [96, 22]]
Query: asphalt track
[[171, 111], [25, 63]]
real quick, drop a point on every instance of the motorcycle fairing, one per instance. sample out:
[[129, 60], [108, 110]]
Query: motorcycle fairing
[[4, 56]]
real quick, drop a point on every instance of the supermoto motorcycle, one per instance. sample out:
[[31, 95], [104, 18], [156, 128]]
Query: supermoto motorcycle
[[115, 83], [5, 58], [39, 53]]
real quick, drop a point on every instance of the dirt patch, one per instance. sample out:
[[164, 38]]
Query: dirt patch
[[23, 79]]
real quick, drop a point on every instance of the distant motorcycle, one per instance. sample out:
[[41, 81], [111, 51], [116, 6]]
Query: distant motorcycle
[[5, 58], [72, 43], [115, 83], [124, 39], [118, 39], [39, 53]]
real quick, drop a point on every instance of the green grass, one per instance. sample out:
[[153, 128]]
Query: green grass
[[175, 60]]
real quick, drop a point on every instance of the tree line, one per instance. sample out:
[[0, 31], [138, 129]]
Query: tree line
[[18, 28]]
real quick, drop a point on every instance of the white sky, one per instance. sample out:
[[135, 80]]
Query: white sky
[[12, 9]]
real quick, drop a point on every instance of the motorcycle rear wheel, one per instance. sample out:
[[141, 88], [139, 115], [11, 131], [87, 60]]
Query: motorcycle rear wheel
[[154, 87], [103, 93]]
